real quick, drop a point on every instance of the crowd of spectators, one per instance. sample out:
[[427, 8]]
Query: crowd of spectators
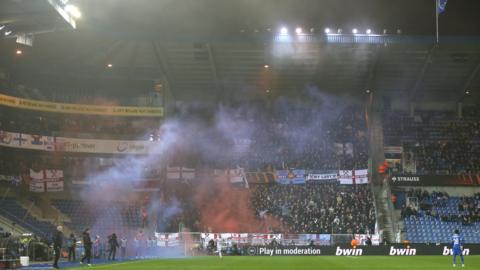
[[437, 142], [303, 138], [78, 126], [317, 208], [429, 203], [74, 167]]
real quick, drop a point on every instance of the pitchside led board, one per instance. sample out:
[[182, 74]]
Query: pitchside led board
[[413, 250]]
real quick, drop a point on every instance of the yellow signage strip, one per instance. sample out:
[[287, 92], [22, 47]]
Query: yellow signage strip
[[46, 106]]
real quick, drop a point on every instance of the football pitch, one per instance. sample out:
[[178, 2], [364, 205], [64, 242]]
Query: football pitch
[[295, 263]]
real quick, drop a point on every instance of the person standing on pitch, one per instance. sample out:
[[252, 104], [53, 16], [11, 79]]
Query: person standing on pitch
[[457, 248], [72, 244], [87, 245], [57, 245], [113, 244], [219, 248], [123, 247]]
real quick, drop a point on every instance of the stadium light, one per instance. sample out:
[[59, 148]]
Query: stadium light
[[467, 92], [7, 32], [367, 91], [268, 90], [298, 30], [266, 66], [74, 11], [18, 52], [354, 30], [2, 26], [327, 31], [109, 65], [369, 31], [284, 31]]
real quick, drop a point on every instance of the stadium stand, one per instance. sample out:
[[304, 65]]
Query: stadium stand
[[318, 208], [438, 142], [78, 126], [103, 218], [13, 211], [436, 215]]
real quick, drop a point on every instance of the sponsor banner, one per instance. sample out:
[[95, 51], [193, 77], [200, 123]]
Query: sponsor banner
[[37, 105], [435, 180], [104, 146], [322, 175], [342, 250], [284, 251]]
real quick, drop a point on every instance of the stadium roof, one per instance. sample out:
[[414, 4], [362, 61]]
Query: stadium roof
[[199, 58]]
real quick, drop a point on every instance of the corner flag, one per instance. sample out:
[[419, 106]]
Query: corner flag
[[440, 6]]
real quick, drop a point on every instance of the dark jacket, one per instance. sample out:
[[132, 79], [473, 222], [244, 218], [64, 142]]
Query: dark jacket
[[113, 242], [72, 242], [87, 242], [58, 240]]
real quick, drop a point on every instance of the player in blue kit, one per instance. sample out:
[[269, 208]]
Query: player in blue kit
[[457, 248]]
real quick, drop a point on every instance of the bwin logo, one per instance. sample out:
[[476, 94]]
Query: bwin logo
[[402, 251], [349, 252], [448, 251]]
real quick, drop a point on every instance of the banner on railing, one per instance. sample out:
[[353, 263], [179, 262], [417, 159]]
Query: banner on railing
[[322, 175], [353, 177], [167, 239], [46, 181], [62, 144], [260, 177], [180, 173], [37, 105], [296, 176], [317, 239], [361, 176]]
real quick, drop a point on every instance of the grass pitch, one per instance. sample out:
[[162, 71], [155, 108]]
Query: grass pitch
[[295, 263]]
